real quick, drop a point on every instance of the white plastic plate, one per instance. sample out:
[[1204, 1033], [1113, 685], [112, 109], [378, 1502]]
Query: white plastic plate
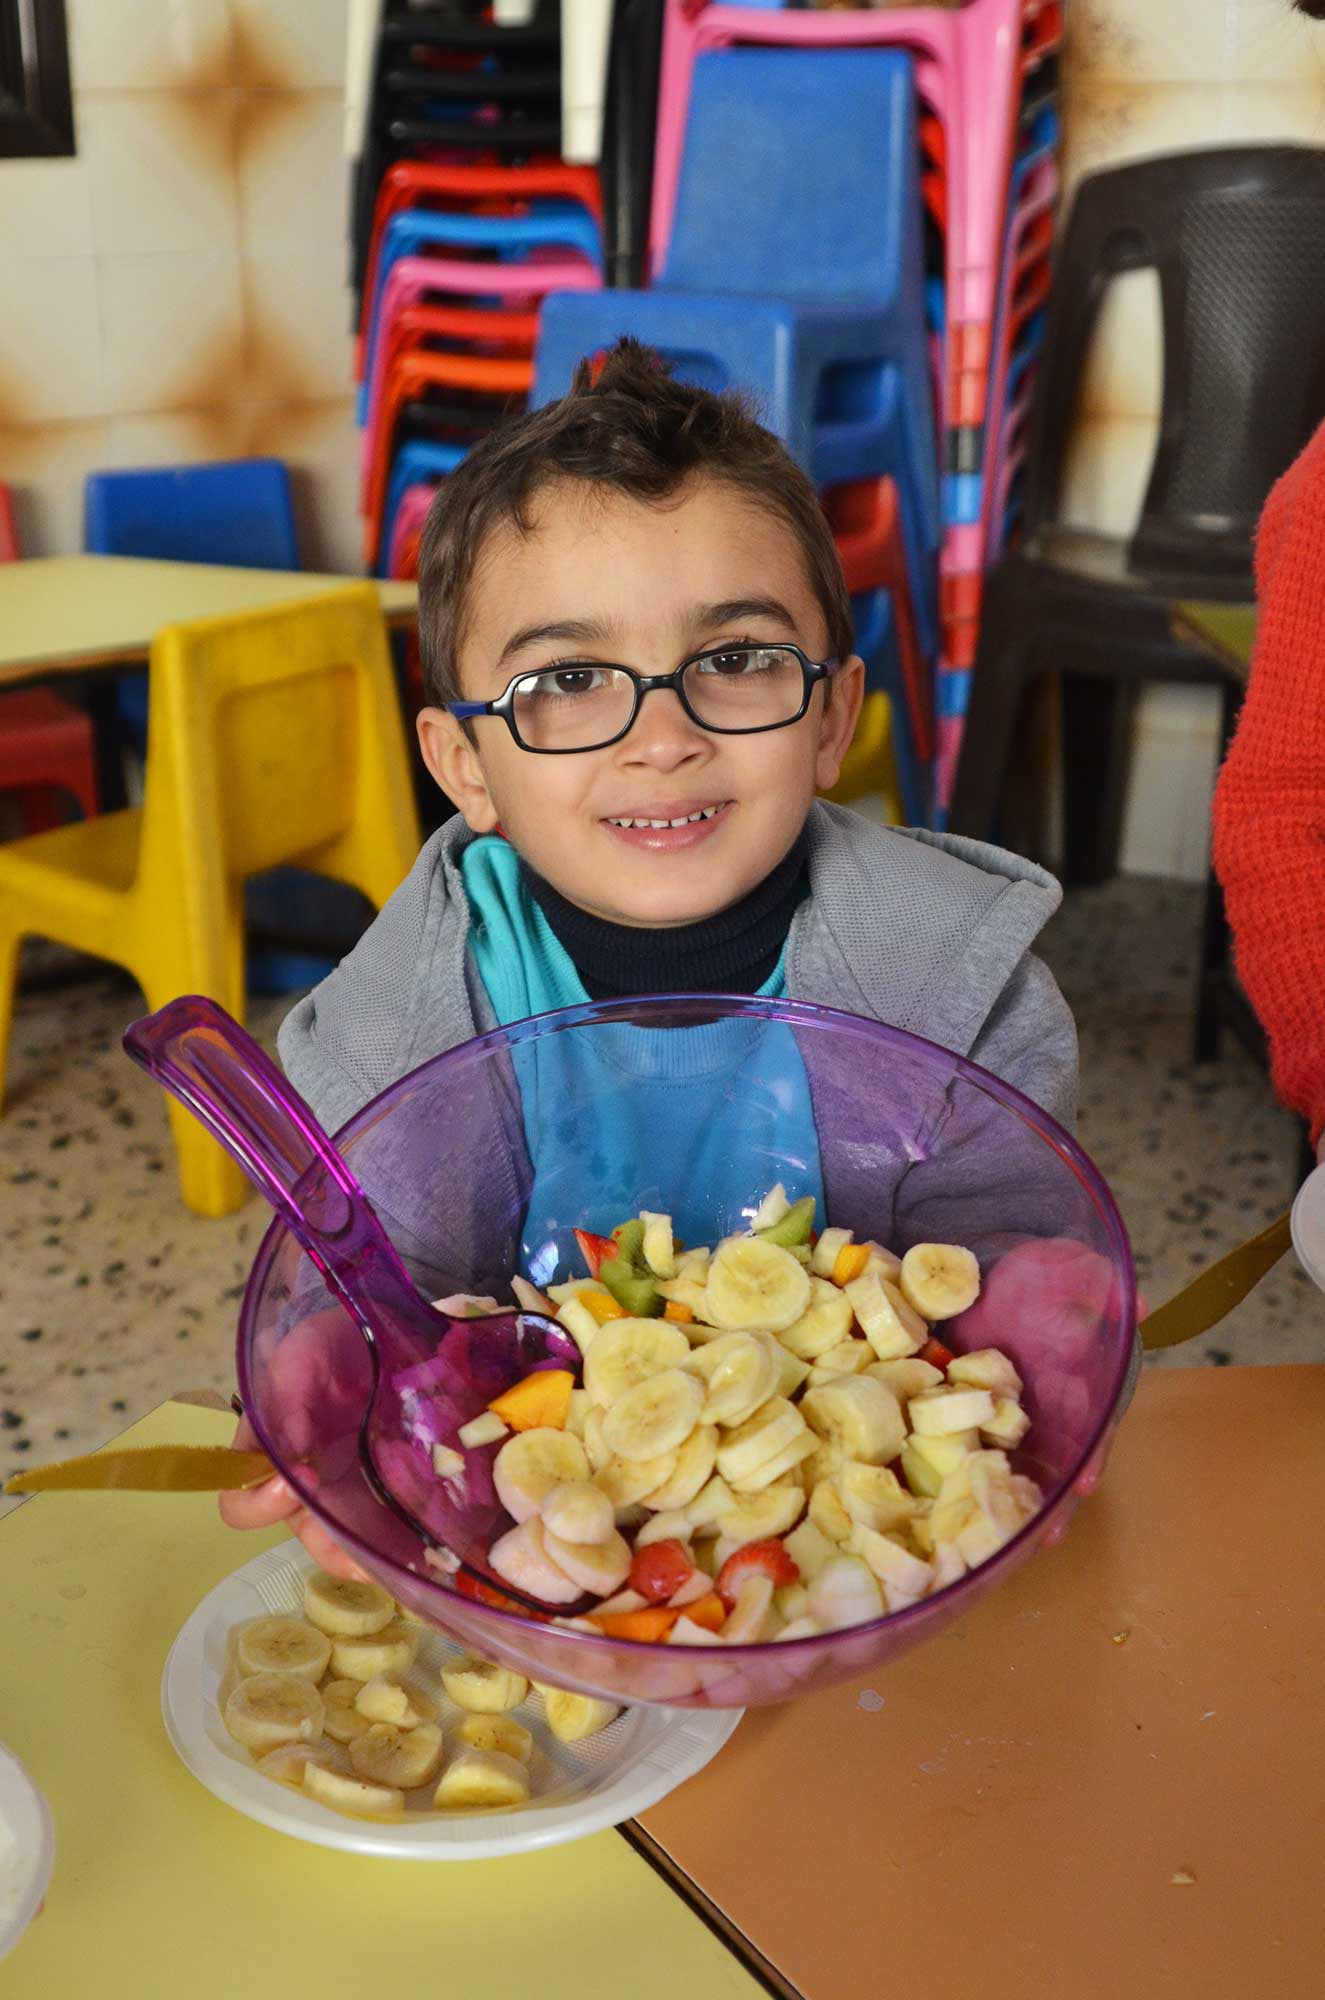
[[25, 1820], [577, 1788]]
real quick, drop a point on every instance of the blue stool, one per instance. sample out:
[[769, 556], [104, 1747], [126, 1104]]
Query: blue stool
[[551, 224], [416, 463], [795, 272]]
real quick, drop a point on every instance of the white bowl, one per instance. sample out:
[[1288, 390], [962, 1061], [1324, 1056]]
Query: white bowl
[[579, 1788], [26, 1817]]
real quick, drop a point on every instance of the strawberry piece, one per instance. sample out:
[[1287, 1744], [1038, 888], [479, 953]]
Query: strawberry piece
[[756, 1559], [659, 1569], [594, 1249], [937, 1355]]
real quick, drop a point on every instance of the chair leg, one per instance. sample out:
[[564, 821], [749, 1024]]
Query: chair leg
[[1097, 754], [1214, 970], [998, 682], [10, 942]]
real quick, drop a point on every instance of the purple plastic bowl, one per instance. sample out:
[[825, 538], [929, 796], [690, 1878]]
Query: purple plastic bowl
[[916, 1145]]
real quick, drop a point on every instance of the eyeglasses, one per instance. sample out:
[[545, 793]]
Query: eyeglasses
[[588, 704]]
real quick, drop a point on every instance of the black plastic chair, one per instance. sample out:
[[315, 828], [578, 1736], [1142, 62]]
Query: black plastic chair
[[630, 123], [1237, 238]]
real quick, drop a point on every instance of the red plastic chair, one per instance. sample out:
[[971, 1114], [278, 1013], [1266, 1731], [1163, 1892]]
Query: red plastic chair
[[413, 376], [867, 528], [500, 333], [46, 744]]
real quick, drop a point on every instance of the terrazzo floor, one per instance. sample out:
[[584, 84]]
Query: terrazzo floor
[[113, 1297]]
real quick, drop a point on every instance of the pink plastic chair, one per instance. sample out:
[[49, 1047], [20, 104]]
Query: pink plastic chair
[[410, 516], [517, 285], [973, 62]]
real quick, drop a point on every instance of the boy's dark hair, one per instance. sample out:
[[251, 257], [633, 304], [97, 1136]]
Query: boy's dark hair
[[632, 429]]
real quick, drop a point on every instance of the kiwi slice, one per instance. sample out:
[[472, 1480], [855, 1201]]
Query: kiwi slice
[[795, 1226], [631, 1288], [629, 1240]]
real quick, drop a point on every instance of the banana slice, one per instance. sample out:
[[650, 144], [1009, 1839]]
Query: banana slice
[[694, 1468], [900, 1573], [342, 1720], [383, 1655], [354, 1796], [906, 1377], [751, 1616], [703, 1511], [757, 1517], [823, 1257], [671, 1526], [572, 1717], [655, 1416], [531, 1464], [595, 1444], [845, 1592], [579, 1512], [740, 1371], [990, 1475], [985, 1368], [600, 1567], [874, 1497], [278, 1645], [770, 1210], [577, 1413], [288, 1762], [694, 1263], [387, 1701], [825, 1323], [792, 1374], [629, 1351], [482, 1780], [386, 1754], [828, 1514], [687, 1290], [496, 1732], [348, 1606], [809, 1548], [522, 1558], [776, 1468], [659, 1253], [625, 1481], [483, 1687], [939, 1279], [938, 1412], [1008, 1425], [753, 1283], [774, 1425], [579, 1322], [266, 1710], [892, 1329], [849, 1357], [858, 1414]]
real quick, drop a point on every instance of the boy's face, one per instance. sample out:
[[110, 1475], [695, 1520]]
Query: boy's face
[[604, 577]]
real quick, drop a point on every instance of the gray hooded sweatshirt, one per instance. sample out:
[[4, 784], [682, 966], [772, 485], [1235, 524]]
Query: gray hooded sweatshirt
[[925, 931]]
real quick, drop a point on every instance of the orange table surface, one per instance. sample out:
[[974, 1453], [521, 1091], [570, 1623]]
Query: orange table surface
[[1015, 1807]]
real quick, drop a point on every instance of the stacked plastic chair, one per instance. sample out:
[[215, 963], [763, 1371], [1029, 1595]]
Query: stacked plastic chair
[[465, 219]]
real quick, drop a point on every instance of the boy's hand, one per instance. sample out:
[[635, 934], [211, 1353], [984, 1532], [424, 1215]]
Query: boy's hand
[[319, 1365]]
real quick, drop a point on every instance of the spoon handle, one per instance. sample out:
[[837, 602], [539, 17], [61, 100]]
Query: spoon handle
[[197, 1051]]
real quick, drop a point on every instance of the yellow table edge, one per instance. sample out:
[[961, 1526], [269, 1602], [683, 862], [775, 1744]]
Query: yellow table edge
[[201, 1893]]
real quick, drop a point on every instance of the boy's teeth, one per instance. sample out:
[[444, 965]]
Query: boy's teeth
[[706, 812]]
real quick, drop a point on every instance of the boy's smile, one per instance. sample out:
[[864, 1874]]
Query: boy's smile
[[672, 823]]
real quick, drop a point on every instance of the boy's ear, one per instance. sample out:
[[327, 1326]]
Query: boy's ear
[[837, 722], [453, 762]]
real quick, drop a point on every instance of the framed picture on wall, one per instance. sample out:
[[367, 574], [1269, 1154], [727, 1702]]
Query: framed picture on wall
[[36, 106]]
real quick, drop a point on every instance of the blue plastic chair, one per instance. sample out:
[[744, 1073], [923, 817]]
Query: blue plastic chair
[[795, 272], [551, 224], [416, 462]]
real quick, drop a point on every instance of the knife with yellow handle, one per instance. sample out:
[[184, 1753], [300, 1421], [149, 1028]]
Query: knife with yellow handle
[[158, 1468], [184, 1468]]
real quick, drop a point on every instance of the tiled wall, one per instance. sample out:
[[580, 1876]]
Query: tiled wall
[[1154, 76], [176, 291]]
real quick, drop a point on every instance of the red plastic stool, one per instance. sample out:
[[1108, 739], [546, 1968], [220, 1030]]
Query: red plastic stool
[[45, 744]]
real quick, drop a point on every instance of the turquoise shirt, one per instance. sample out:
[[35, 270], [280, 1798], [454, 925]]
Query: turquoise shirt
[[697, 1122]]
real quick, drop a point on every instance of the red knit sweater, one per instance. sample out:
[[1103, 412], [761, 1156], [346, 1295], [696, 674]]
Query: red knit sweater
[[1269, 808]]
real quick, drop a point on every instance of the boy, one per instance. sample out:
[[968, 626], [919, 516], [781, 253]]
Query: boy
[[617, 839]]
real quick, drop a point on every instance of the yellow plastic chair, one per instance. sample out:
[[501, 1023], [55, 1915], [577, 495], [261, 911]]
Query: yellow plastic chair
[[869, 765], [273, 738]]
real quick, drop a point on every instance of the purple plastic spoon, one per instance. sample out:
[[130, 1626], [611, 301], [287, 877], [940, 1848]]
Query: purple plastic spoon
[[431, 1373]]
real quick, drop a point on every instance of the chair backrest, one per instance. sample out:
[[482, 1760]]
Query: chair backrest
[[799, 175], [1237, 238], [274, 733], [237, 511], [9, 550]]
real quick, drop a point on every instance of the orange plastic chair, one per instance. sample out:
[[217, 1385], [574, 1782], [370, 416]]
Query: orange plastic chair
[[412, 376], [867, 528], [415, 183], [274, 737]]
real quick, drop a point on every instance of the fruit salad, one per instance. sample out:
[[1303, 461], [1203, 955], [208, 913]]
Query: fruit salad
[[769, 1441], [331, 1704]]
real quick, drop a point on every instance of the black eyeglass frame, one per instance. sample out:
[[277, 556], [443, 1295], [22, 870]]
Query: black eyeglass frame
[[812, 672]]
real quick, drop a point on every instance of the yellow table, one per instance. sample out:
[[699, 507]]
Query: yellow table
[[1226, 630], [160, 1889], [78, 614]]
